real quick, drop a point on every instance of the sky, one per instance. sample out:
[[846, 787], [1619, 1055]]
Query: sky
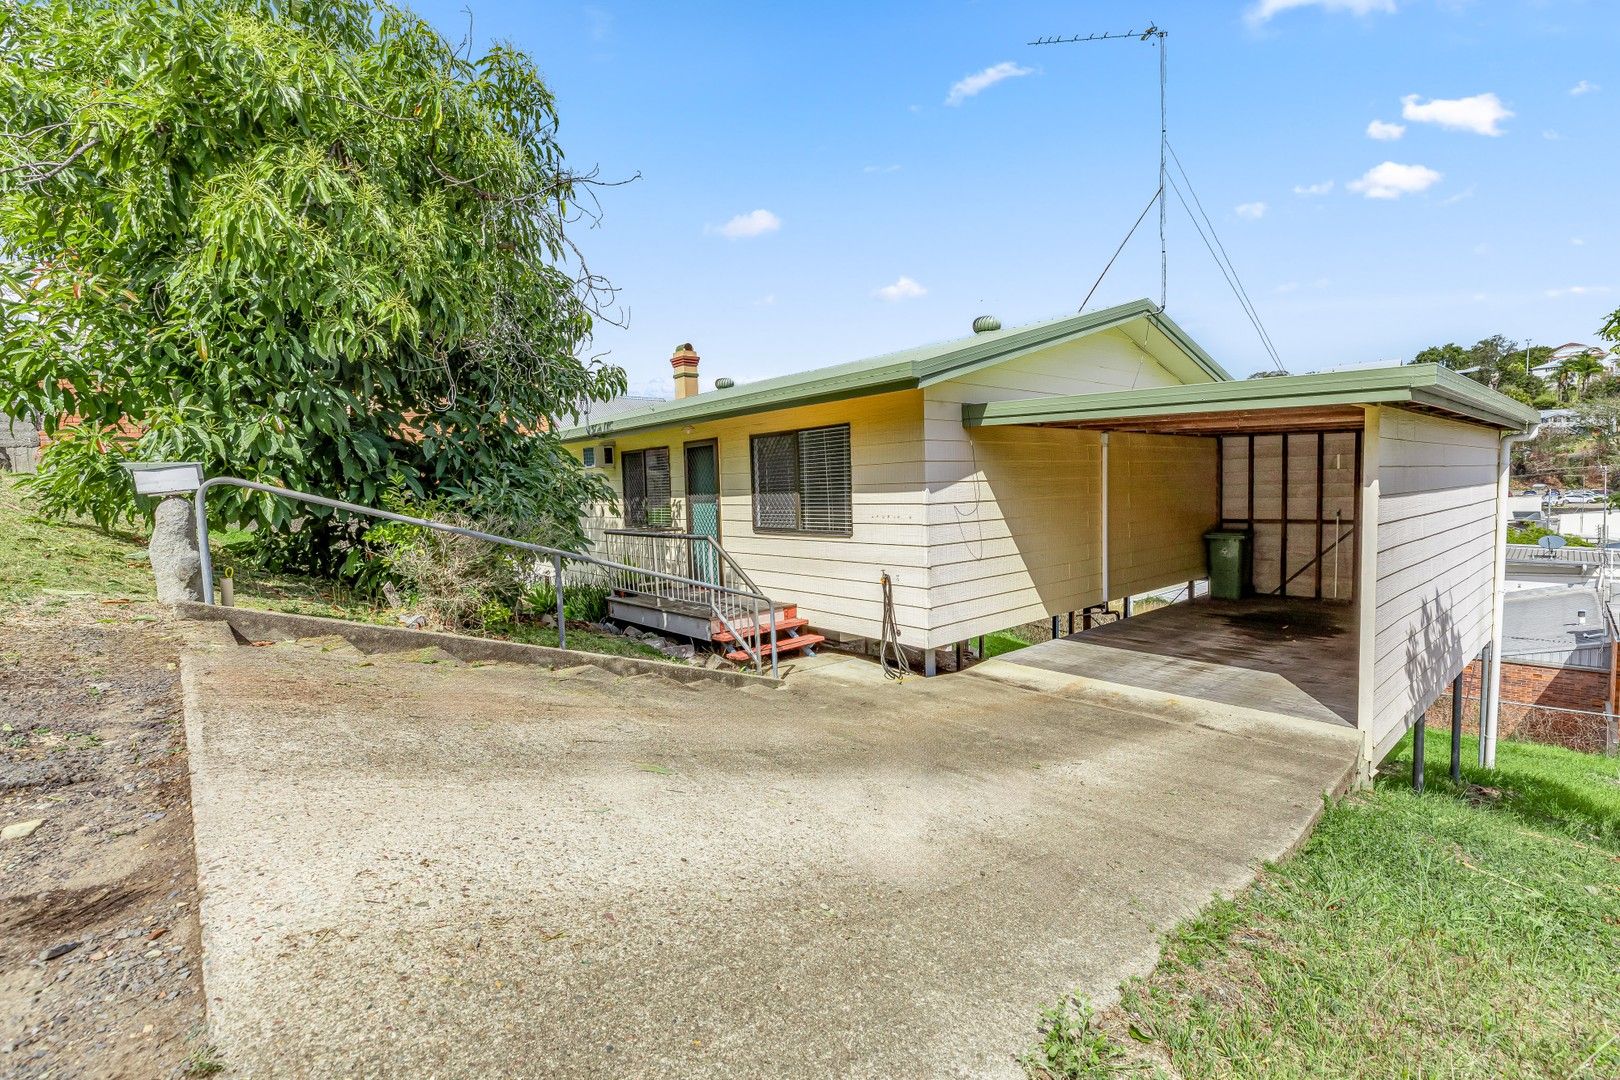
[[818, 183]]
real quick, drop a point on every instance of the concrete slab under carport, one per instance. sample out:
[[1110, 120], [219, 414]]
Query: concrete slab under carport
[[417, 868], [1280, 655]]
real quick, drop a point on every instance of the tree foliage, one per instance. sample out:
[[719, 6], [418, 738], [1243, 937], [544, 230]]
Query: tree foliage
[[313, 244]]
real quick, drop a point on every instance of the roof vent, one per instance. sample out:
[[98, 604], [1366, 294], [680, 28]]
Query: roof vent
[[986, 323], [724, 384]]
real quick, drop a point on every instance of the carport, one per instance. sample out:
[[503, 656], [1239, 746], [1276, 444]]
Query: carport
[[1374, 501]]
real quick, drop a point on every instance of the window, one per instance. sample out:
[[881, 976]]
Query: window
[[646, 488], [802, 481], [587, 457]]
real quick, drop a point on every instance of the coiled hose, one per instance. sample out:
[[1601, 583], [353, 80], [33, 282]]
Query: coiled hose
[[890, 654]]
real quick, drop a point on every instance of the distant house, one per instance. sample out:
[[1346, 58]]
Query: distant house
[[1024, 474]]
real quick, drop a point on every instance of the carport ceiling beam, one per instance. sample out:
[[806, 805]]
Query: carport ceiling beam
[[1259, 422]]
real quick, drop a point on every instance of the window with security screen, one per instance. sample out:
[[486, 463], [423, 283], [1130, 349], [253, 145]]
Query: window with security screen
[[646, 489], [802, 481]]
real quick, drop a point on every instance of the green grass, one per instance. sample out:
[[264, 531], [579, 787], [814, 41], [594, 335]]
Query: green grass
[[1472, 931], [43, 558], [1003, 641]]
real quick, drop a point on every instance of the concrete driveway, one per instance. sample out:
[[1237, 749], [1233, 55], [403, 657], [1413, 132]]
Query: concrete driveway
[[415, 867]]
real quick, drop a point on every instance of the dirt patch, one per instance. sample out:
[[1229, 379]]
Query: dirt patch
[[99, 963]]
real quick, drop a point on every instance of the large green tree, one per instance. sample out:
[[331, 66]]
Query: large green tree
[[311, 243]]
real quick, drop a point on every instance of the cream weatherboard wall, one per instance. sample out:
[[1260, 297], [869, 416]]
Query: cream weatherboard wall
[[1014, 519], [833, 579], [1433, 574]]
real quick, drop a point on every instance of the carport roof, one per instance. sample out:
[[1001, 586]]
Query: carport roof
[[1285, 403]]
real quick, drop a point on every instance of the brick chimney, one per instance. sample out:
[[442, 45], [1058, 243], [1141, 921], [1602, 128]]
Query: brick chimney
[[685, 363]]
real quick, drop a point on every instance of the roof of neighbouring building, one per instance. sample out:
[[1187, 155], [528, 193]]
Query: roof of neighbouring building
[[909, 369], [597, 411], [1543, 626]]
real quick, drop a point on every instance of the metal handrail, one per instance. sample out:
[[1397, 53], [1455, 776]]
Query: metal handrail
[[723, 558], [714, 545], [556, 555]]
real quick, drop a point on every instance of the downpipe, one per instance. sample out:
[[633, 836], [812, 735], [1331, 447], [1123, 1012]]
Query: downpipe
[[1491, 685]]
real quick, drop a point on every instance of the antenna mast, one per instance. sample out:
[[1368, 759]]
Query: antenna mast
[[1157, 36]]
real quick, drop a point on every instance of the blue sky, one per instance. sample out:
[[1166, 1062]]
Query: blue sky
[[813, 191]]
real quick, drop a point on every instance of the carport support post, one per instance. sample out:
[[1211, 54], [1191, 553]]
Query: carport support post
[[1055, 628], [1417, 752], [1456, 725], [557, 578]]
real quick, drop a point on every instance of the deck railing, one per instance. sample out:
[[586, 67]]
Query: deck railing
[[726, 602]]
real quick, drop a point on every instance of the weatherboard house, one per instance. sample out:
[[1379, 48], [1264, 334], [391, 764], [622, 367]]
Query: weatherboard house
[[1021, 475]]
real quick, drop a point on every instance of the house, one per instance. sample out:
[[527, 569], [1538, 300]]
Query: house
[[1025, 474]]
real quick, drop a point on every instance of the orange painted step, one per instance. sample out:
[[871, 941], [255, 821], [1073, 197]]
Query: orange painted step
[[783, 613], [763, 631], [782, 645]]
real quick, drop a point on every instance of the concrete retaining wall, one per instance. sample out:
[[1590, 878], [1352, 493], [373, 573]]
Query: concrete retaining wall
[[250, 625]]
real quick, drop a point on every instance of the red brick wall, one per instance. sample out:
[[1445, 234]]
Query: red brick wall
[[1525, 686], [1553, 687]]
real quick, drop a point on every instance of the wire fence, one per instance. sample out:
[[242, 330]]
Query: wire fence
[[1573, 729]]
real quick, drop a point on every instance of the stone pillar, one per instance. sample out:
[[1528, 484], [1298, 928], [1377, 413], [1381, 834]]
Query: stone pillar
[[176, 563]]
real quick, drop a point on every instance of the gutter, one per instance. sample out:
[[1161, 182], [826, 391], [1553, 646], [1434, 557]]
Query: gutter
[[1491, 684]]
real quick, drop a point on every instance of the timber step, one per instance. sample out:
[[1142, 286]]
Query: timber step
[[761, 630], [783, 644]]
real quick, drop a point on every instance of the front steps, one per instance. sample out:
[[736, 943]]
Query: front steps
[[789, 637]]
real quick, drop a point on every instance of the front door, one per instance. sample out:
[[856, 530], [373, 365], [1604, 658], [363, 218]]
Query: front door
[[703, 507]]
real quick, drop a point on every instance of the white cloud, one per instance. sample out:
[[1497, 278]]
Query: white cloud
[[753, 223], [1583, 87], [600, 23], [904, 288], [981, 81], [880, 169], [1578, 290], [1250, 211], [1391, 180], [1577, 241], [1480, 114], [1265, 9], [768, 300], [1384, 131], [1552, 136], [1314, 189]]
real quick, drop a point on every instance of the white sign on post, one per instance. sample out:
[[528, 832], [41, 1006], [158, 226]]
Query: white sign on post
[[165, 477]]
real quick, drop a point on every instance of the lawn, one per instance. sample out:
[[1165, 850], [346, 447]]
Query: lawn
[[61, 560], [1471, 931]]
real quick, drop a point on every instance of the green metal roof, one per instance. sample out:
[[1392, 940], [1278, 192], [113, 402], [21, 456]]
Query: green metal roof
[[1424, 385], [908, 370]]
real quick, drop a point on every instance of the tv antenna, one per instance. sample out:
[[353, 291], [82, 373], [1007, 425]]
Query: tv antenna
[[1157, 37]]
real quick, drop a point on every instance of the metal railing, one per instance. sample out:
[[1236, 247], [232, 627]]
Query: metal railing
[[725, 602], [694, 554]]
